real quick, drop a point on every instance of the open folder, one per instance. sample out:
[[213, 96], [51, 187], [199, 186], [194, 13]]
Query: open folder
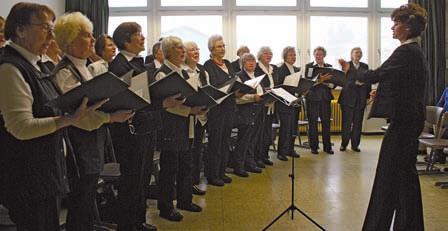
[[281, 95], [247, 86], [170, 85], [338, 77], [104, 86], [295, 84]]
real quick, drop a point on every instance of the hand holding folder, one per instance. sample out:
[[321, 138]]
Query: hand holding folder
[[247, 86], [338, 77], [104, 86], [281, 95], [295, 84]]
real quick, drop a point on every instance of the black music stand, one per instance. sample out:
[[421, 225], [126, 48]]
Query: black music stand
[[293, 207]]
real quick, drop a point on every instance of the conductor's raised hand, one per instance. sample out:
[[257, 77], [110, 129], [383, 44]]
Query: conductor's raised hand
[[344, 65], [173, 101]]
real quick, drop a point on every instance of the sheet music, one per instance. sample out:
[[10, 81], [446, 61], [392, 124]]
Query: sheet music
[[139, 85], [284, 94], [225, 88], [253, 83], [219, 101], [292, 80], [127, 77]]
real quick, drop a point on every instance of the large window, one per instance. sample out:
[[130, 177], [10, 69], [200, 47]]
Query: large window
[[338, 3], [193, 28], [388, 44], [392, 3], [266, 2], [276, 32], [191, 2], [133, 3], [115, 21], [338, 35]]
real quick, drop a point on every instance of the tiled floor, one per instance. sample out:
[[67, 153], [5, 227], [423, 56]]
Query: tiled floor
[[332, 189]]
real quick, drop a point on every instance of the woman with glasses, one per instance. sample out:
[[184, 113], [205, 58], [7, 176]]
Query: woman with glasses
[[33, 170]]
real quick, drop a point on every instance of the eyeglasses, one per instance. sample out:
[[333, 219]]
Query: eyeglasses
[[44, 26]]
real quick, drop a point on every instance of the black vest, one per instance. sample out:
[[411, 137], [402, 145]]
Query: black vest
[[89, 146], [34, 168], [217, 78]]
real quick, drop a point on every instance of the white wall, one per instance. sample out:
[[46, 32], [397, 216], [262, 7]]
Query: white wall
[[57, 5]]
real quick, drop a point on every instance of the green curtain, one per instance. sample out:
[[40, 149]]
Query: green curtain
[[96, 10], [433, 45]]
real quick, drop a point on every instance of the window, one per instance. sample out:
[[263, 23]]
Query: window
[[339, 3], [338, 35], [256, 31], [388, 44], [392, 3], [191, 3], [115, 21], [266, 2], [123, 3], [193, 28]]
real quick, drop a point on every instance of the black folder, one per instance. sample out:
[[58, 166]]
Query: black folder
[[338, 77], [303, 86], [170, 85], [201, 98], [213, 92], [104, 86], [271, 96]]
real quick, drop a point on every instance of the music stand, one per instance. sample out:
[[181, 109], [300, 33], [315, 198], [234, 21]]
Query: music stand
[[293, 207]]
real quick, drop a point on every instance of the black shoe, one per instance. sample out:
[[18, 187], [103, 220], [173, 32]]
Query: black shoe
[[294, 154], [147, 227], [356, 149], [282, 158], [342, 148], [260, 164], [253, 169], [330, 152], [197, 191], [240, 172], [268, 162], [226, 179], [192, 207], [171, 215], [216, 182], [314, 151]]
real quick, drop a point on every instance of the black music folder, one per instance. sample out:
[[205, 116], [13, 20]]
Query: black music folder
[[295, 84], [104, 86], [281, 95], [338, 77], [170, 85], [247, 86]]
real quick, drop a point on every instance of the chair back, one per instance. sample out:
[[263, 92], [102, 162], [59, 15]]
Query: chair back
[[433, 114], [442, 126]]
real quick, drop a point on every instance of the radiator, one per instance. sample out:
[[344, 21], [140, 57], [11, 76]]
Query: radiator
[[336, 118]]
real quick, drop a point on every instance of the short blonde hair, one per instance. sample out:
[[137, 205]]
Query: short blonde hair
[[68, 26], [169, 45]]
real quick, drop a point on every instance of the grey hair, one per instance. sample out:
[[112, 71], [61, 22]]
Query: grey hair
[[212, 40], [263, 50], [320, 48], [242, 50], [286, 50], [354, 49], [189, 44], [245, 57], [169, 44]]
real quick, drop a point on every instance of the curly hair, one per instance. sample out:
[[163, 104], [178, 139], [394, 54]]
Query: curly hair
[[68, 27], [413, 15]]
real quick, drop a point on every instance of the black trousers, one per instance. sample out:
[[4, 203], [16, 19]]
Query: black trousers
[[220, 124], [288, 123], [351, 125], [242, 156], [396, 187], [266, 137], [322, 110], [34, 215], [175, 176], [135, 155], [196, 152], [81, 210]]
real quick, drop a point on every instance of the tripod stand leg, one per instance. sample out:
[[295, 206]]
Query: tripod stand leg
[[278, 217], [307, 217]]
